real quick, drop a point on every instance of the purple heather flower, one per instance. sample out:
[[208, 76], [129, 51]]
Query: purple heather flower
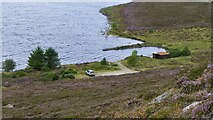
[[202, 109]]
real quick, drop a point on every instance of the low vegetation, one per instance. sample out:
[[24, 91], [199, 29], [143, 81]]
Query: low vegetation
[[104, 62], [189, 42], [45, 66], [8, 65], [181, 28], [129, 19], [132, 60], [74, 98], [177, 53], [184, 93], [64, 72]]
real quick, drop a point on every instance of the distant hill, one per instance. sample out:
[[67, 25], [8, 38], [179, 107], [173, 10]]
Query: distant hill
[[136, 16]]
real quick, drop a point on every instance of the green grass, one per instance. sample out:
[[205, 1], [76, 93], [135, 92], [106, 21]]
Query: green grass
[[79, 71], [146, 63], [96, 66], [107, 96], [200, 47], [140, 17], [166, 25], [170, 26]]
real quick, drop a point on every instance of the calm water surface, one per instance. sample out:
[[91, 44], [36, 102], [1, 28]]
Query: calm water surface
[[75, 30]]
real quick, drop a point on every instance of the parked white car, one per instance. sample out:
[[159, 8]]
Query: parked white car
[[90, 73]]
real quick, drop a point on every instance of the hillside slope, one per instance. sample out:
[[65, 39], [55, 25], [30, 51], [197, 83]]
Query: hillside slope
[[171, 26], [151, 16], [162, 88]]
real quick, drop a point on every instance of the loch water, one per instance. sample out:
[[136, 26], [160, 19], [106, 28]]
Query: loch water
[[75, 30]]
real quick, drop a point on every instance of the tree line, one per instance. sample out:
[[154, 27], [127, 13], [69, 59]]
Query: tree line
[[38, 60]]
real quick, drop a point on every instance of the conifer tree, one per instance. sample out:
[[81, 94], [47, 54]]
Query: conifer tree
[[51, 58], [37, 59], [8, 65]]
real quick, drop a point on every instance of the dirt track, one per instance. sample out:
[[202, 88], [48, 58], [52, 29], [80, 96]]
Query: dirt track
[[124, 70]]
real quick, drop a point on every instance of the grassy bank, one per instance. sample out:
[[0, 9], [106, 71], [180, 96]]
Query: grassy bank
[[171, 26], [72, 71], [127, 95], [166, 25], [127, 19]]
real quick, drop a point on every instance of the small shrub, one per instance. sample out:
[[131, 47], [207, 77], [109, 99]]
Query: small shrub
[[151, 31], [149, 95], [115, 65], [20, 74], [69, 73], [14, 74], [163, 114], [177, 52], [55, 77], [8, 65], [49, 76], [45, 68], [104, 62], [132, 60], [72, 71], [191, 86], [29, 70], [196, 72], [149, 111], [174, 53], [71, 76], [6, 75], [187, 86], [185, 52]]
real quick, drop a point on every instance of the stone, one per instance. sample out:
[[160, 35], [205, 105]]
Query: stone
[[9, 106], [160, 98], [5, 84], [190, 106]]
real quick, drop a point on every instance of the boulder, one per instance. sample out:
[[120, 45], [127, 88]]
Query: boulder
[[190, 106]]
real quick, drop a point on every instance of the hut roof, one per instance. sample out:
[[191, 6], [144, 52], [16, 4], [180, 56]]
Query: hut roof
[[162, 53]]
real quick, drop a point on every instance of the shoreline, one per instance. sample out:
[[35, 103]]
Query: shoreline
[[139, 45], [170, 38]]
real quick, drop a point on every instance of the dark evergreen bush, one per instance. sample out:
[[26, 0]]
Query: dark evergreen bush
[[8, 65], [132, 60], [185, 52], [51, 58], [36, 59], [104, 62]]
